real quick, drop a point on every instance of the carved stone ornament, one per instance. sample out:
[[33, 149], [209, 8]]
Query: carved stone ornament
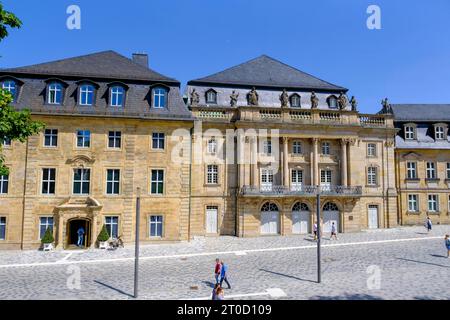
[[284, 99], [342, 101], [81, 161], [314, 101], [253, 97], [234, 99]]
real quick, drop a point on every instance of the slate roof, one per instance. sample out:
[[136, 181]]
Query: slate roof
[[421, 112], [105, 65], [268, 72]]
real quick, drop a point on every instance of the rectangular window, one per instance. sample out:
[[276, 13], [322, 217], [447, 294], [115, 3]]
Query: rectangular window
[[158, 140], [448, 170], [112, 181], [157, 184], [411, 170], [325, 177], [213, 174], [433, 203], [326, 148], [448, 207], [212, 146], [114, 139], [297, 147], [81, 181], [83, 138], [50, 138], [2, 228], [117, 94], [44, 224], [431, 170], [4, 184], [409, 133], [86, 95], [156, 226], [372, 176], [413, 204], [296, 179], [267, 147], [112, 226], [48, 180], [439, 133], [371, 149], [266, 179]]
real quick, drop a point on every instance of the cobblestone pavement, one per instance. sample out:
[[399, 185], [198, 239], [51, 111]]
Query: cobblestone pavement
[[409, 269]]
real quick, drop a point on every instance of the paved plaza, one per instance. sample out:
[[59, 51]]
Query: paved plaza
[[402, 263]]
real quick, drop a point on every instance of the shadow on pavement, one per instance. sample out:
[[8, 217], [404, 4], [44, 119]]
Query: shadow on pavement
[[347, 297], [115, 289], [429, 263], [287, 276]]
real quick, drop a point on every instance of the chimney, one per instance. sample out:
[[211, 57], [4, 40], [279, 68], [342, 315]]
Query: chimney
[[141, 59]]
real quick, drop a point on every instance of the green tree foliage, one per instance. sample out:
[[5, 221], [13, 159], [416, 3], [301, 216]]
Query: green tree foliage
[[14, 125], [48, 237], [103, 236]]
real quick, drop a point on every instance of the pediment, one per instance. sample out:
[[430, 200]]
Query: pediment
[[411, 155], [81, 161]]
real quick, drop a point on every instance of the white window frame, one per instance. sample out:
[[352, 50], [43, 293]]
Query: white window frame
[[411, 170], [212, 174], [371, 149], [439, 132], [160, 138], [266, 179], [46, 180], [53, 89], [448, 170], [110, 224], [326, 177], [116, 137], [296, 179], [433, 203], [52, 134], [85, 90], [156, 223], [413, 203], [82, 181], [158, 181], [117, 92], [297, 147], [211, 146], [431, 170], [114, 181], [158, 93], [267, 147], [82, 134], [52, 225], [372, 176], [295, 101], [326, 148], [211, 94], [4, 180], [3, 223], [410, 133], [11, 87]]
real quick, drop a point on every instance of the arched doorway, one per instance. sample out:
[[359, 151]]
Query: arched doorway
[[331, 214], [73, 226], [270, 218], [301, 218]]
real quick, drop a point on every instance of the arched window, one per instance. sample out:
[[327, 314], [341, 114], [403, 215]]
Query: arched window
[[55, 93], [117, 94], [269, 207], [330, 206], [332, 102], [159, 97], [300, 206], [211, 97], [87, 92], [11, 87], [295, 101]]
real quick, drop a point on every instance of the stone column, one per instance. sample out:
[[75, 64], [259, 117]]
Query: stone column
[[344, 176], [94, 229], [255, 162], [316, 161], [60, 244], [285, 162], [241, 159]]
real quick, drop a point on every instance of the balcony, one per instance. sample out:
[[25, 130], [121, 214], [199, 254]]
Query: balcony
[[305, 191]]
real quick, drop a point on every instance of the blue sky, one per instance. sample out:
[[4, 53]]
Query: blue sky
[[408, 60]]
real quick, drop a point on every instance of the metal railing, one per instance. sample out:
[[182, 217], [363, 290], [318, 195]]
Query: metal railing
[[302, 190]]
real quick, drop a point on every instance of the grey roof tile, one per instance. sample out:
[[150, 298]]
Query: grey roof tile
[[421, 112], [268, 72]]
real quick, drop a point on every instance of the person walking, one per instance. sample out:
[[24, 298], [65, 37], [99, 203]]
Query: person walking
[[220, 294], [80, 233], [315, 231], [214, 292], [333, 231], [428, 224], [217, 270], [447, 245], [223, 275]]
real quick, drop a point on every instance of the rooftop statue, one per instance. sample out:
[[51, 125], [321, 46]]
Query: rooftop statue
[[342, 101], [386, 106], [234, 98], [284, 98], [253, 97], [195, 98], [314, 101], [354, 103]]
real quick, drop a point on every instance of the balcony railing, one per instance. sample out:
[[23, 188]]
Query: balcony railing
[[353, 191]]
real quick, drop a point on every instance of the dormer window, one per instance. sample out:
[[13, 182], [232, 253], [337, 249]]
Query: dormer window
[[117, 94], [211, 97], [410, 132], [159, 97], [439, 133], [11, 87], [55, 93], [87, 95], [332, 102], [295, 101]]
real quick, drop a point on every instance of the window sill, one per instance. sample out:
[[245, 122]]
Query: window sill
[[436, 213], [432, 180], [372, 186], [416, 213], [212, 185], [412, 179]]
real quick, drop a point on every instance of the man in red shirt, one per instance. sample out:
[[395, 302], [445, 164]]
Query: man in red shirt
[[217, 270]]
